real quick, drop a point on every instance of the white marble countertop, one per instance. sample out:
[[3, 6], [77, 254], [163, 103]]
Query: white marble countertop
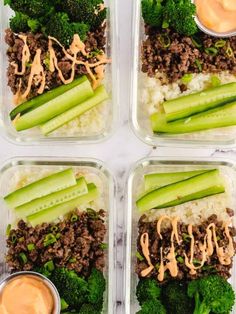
[[122, 149]]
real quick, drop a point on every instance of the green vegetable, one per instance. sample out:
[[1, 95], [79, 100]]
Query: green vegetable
[[72, 288], [179, 14], [215, 81], [152, 11], [147, 290], [53, 199], [198, 64], [32, 8], [59, 26], [157, 180], [23, 258], [187, 78], [64, 305], [55, 106], [96, 287], [74, 218], [180, 259], [212, 51], [214, 118], [53, 213], [152, 307], [55, 182], [165, 40], [88, 309], [139, 256], [229, 52], [175, 298], [30, 247], [19, 23], [13, 238], [54, 228], [104, 246], [8, 230], [196, 41], [99, 96], [188, 105], [200, 186], [92, 213], [49, 239], [84, 11], [212, 294], [220, 43], [49, 266], [45, 97]]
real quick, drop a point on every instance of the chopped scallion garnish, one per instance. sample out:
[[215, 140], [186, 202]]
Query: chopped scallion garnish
[[23, 258], [139, 256], [30, 246]]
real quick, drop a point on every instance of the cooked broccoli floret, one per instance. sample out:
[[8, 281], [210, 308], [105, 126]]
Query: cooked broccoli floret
[[19, 23], [152, 11], [179, 15], [175, 298], [59, 26], [212, 294], [152, 307], [84, 11], [96, 287], [89, 309], [32, 8], [72, 288], [147, 289]]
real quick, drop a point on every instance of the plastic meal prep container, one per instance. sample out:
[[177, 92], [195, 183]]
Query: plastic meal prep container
[[139, 115], [61, 135], [136, 185], [17, 169]]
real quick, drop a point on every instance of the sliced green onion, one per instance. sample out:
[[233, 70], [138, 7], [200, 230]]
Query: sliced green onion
[[180, 259], [13, 238], [103, 246], [8, 230], [72, 260], [196, 261], [49, 266], [220, 43], [198, 64], [54, 228], [211, 51], [49, 239], [186, 237], [139, 256], [229, 52], [165, 24], [165, 40], [187, 78], [92, 213], [58, 235], [196, 42], [30, 246], [157, 266], [21, 239], [74, 218], [23, 258], [215, 81], [64, 305]]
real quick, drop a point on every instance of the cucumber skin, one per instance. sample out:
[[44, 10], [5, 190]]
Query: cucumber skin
[[55, 182], [52, 199], [53, 213], [55, 106], [178, 190], [100, 95], [45, 97], [214, 118], [195, 196], [157, 180], [191, 104]]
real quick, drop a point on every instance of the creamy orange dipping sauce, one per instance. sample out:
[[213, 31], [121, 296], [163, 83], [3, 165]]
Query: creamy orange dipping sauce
[[217, 15], [26, 294]]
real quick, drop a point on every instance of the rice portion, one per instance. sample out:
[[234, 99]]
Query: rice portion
[[152, 92]]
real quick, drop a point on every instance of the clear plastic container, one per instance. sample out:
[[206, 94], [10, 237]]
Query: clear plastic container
[[79, 131], [140, 113], [18, 170], [136, 185]]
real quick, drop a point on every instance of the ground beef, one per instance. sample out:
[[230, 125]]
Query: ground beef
[[79, 245], [95, 41], [183, 56], [212, 265]]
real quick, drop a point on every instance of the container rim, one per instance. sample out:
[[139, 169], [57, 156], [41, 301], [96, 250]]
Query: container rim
[[181, 160], [112, 193]]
